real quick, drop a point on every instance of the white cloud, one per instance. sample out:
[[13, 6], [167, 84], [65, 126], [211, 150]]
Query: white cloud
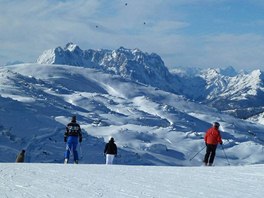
[[29, 27]]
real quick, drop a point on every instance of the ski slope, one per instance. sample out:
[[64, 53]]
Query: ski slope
[[119, 181]]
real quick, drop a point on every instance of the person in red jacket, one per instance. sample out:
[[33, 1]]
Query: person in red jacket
[[212, 138]]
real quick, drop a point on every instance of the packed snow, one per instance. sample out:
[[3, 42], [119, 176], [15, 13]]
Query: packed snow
[[118, 181]]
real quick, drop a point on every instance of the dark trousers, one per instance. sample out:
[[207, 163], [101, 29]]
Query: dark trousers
[[210, 153]]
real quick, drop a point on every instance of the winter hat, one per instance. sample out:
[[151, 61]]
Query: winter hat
[[74, 118], [111, 139], [216, 124]]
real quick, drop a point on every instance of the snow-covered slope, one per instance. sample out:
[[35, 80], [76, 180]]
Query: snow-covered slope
[[258, 118], [151, 126], [93, 181]]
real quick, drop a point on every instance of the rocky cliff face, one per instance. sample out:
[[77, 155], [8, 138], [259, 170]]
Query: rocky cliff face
[[133, 64]]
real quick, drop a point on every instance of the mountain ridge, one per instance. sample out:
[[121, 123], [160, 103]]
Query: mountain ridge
[[225, 89], [133, 64]]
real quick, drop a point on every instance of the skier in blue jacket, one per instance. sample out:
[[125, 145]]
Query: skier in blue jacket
[[71, 137]]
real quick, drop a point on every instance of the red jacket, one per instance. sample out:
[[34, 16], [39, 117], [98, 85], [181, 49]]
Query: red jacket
[[212, 136]]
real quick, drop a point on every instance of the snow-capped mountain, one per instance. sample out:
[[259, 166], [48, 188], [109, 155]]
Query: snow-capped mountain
[[239, 94], [195, 71], [151, 126], [132, 64], [242, 94]]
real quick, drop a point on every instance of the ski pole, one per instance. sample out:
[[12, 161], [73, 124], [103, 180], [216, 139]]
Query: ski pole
[[197, 153], [225, 155]]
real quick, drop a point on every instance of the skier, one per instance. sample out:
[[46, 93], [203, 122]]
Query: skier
[[71, 137], [110, 151], [21, 156], [211, 138]]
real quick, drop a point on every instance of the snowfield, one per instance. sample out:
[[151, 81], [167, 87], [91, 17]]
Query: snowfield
[[119, 181]]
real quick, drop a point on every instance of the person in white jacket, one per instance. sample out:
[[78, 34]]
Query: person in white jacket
[[110, 151]]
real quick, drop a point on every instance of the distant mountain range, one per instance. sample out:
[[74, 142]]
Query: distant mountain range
[[240, 94], [142, 67]]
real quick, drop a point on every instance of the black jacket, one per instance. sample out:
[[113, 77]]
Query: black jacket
[[73, 129], [110, 148]]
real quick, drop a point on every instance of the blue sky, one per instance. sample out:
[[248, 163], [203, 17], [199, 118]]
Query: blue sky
[[189, 33]]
